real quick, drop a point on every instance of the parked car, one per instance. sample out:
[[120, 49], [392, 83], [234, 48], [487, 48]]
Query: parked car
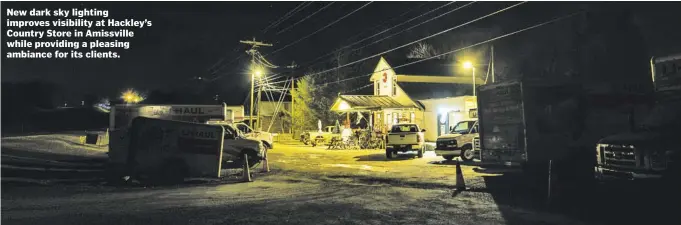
[[266, 137], [316, 137], [405, 138], [458, 142], [236, 145]]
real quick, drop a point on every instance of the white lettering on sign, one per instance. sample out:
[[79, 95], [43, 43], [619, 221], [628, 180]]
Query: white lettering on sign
[[199, 134], [195, 110]]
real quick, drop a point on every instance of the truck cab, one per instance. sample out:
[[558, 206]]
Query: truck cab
[[653, 148], [266, 137], [459, 141], [236, 145]]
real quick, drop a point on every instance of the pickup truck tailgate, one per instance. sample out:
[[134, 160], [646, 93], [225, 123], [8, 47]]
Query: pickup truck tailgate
[[405, 138]]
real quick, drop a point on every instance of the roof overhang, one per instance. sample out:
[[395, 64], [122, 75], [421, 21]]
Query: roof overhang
[[367, 103]]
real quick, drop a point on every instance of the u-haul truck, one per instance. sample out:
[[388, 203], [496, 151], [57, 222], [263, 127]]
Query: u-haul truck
[[167, 150]]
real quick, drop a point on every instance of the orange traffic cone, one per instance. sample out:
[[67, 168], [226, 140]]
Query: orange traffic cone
[[460, 182]]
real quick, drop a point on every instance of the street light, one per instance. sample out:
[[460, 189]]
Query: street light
[[469, 65], [131, 96]]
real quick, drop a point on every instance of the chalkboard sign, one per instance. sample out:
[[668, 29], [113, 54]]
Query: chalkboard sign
[[91, 139]]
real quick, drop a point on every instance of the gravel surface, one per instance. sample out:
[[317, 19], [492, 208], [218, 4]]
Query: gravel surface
[[309, 185]]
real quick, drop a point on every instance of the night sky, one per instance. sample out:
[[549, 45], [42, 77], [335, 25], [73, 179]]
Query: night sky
[[187, 39]]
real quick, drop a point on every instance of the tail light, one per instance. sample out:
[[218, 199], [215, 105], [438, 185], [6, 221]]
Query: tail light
[[418, 138]]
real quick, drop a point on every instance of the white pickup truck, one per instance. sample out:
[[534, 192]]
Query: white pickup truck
[[266, 137], [236, 144], [404, 138]]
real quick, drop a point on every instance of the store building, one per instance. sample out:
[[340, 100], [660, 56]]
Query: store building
[[427, 93]]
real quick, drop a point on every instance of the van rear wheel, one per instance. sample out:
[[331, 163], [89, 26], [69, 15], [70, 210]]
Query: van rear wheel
[[467, 153]]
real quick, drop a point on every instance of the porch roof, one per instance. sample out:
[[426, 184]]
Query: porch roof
[[350, 103]]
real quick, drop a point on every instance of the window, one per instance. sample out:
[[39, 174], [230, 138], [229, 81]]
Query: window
[[394, 85], [244, 128], [377, 86], [229, 132], [475, 129], [462, 127], [405, 128]]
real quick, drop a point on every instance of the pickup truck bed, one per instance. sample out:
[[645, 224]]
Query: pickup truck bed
[[404, 138]]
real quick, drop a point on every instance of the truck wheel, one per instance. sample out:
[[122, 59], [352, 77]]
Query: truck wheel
[[420, 153], [448, 157], [467, 153], [388, 154]]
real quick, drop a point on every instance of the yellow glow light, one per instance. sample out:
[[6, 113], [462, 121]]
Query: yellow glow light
[[131, 96], [343, 106], [468, 65]]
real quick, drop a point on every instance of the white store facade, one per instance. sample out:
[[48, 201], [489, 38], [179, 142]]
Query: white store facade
[[425, 93]]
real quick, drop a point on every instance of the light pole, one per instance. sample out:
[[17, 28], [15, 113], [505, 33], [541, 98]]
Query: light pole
[[469, 65]]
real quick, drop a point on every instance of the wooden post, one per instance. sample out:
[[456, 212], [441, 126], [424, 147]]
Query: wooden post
[[247, 170], [293, 105], [548, 194]]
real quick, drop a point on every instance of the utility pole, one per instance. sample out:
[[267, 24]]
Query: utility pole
[[254, 71], [293, 86], [492, 62]]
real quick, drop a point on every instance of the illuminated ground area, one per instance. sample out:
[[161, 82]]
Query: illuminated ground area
[[307, 186]]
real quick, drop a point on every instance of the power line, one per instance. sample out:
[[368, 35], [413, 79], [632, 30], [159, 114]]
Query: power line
[[431, 19], [222, 59], [461, 49], [386, 30], [388, 20], [313, 33], [275, 23], [307, 17], [288, 14], [360, 88], [412, 27], [424, 38]]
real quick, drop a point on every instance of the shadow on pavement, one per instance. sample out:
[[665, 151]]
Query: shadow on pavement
[[612, 203], [453, 162], [382, 158], [332, 205], [54, 156]]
